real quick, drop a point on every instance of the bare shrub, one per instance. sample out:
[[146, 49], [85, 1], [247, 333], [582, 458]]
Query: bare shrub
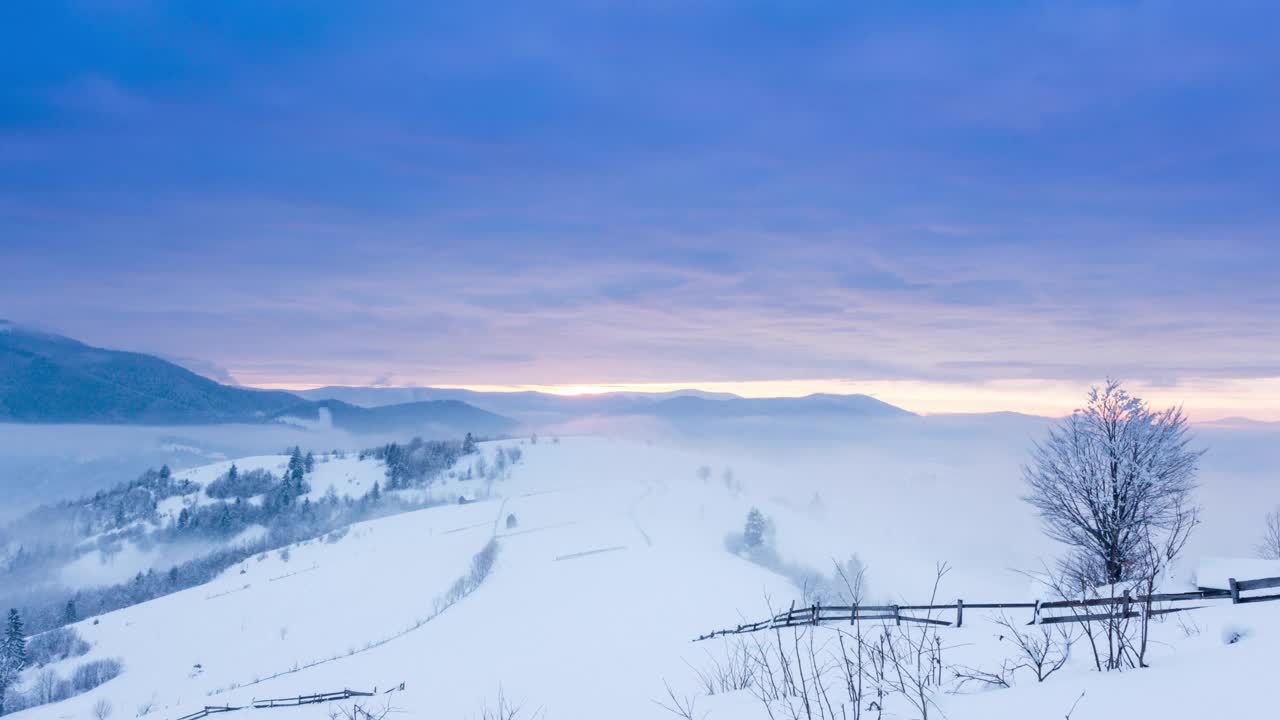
[[94, 673], [733, 669], [680, 706], [1042, 649], [1269, 548], [102, 709], [48, 688], [55, 645], [361, 711], [911, 655], [504, 708], [481, 565], [814, 672]]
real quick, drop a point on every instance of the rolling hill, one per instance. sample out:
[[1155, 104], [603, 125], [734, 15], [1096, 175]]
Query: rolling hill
[[683, 405], [47, 378]]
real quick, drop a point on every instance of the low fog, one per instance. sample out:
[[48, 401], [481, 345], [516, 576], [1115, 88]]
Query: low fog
[[884, 475], [47, 463]]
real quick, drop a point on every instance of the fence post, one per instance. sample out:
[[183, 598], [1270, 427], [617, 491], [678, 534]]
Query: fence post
[[816, 609], [959, 612], [1124, 609], [1235, 591], [897, 615]]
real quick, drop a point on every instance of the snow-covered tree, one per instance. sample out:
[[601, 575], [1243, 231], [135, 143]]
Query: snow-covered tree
[[753, 534], [13, 654], [1270, 547], [297, 464], [1111, 477], [468, 444]]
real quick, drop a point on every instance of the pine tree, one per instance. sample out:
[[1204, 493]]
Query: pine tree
[[69, 614], [184, 519], [753, 534], [13, 649], [165, 472], [375, 493], [297, 466], [309, 463], [468, 444]]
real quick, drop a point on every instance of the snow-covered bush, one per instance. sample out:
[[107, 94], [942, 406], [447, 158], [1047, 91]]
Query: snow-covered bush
[[481, 565], [49, 687], [236, 484], [92, 674], [55, 645]]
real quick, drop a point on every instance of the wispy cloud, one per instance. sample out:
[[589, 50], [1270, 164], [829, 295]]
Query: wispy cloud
[[1040, 193]]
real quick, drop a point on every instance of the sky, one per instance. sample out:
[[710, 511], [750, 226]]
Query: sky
[[954, 206]]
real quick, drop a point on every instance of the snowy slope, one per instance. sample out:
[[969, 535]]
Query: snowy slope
[[616, 561]]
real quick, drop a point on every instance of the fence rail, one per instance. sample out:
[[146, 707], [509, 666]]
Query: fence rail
[[293, 701], [1129, 605], [308, 699]]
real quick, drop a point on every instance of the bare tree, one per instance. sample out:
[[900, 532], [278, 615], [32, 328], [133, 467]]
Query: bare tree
[[46, 687], [1111, 474], [1270, 546]]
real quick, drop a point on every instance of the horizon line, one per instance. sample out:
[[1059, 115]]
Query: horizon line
[[1205, 399]]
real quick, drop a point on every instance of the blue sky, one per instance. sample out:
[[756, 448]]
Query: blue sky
[[600, 193]]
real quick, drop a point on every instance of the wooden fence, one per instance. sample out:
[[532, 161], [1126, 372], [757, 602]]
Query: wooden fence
[[1126, 604], [308, 699], [294, 701]]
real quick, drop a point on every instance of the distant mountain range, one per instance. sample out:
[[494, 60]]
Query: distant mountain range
[[541, 408], [46, 378]]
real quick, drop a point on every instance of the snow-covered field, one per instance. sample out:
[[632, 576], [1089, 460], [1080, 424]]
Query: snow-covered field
[[616, 561]]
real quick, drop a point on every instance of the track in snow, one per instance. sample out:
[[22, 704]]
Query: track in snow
[[574, 556]]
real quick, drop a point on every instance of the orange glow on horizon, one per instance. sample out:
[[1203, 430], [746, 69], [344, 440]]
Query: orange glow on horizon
[[1204, 398]]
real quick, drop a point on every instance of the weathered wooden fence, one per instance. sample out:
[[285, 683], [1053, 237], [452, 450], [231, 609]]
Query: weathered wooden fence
[[308, 699], [293, 701], [1113, 607], [209, 710]]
